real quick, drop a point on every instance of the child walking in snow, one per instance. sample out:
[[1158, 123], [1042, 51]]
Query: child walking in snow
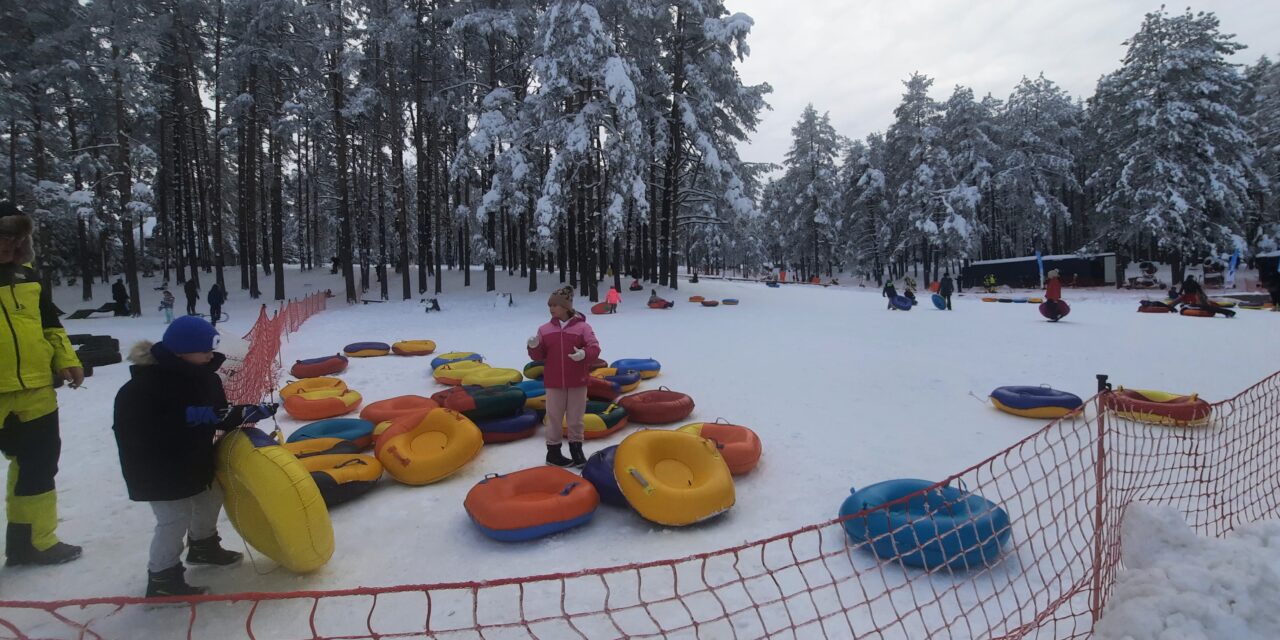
[[612, 299], [566, 343], [889, 292], [166, 305], [166, 420]]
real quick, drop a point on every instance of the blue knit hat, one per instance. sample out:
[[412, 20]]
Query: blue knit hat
[[190, 334]]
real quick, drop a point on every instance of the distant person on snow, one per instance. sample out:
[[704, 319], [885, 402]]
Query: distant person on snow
[[612, 299], [121, 297], [166, 305], [216, 298], [636, 286], [168, 417], [1192, 293], [1052, 295], [889, 291], [193, 295], [946, 288]]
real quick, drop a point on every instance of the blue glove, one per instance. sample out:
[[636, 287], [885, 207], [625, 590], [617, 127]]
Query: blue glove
[[258, 412], [198, 416]]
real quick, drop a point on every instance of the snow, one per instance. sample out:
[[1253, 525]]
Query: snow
[[1179, 585], [841, 392]]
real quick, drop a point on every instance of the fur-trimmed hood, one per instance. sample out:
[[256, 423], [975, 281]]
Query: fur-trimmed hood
[[16, 223], [140, 354]]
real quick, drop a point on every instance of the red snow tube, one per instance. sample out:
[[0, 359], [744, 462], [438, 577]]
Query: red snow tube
[[661, 304], [710, 303], [392, 408], [1159, 407], [1154, 308], [600, 308], [316, 367], [599, 389], [662, 406], [696, 298]]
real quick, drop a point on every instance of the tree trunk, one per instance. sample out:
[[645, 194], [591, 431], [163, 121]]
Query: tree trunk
[[340, 152], [124, 178]]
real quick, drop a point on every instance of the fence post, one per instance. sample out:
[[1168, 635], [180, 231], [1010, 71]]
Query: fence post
[[1100, 500]]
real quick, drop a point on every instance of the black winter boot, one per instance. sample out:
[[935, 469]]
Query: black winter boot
[[575, 452], [18, 549], [209, 551], [170, 582], [555, 458]]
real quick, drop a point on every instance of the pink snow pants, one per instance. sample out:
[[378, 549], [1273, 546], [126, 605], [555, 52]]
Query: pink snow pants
[[565, 406]]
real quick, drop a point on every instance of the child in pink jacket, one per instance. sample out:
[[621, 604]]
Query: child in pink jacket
[[566, 344], [612, 299]]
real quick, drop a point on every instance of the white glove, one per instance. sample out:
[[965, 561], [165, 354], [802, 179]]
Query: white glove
[[533, 342], [577, 355]]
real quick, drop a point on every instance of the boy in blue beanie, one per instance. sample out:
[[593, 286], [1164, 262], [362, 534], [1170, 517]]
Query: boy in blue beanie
[[167, 420]]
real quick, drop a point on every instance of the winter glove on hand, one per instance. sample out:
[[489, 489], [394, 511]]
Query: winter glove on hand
[[259, 412], [533, 342], [201, 416], [577, 355]]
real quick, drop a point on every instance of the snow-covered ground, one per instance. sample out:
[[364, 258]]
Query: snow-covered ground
[[842, 393]]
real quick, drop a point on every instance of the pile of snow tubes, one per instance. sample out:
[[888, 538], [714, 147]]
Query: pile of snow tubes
[[482, 403], [901, 303], [272, 501], [602, 390], [672, 478], [515, 427], [342, 477], [366, 349], [316, 367], [739, 445], [626, 381], [601, 420], [413, 347], [535, 394], [710, 303], [354, 430], [490, 377], [1035, 402], [451, 374], [534, 369], [420, 450], [660, 406], [529, 504], [730, 301], [454, 356], [1159, 407], [922, 524], [646, 367], [392, 408], [319, 398]]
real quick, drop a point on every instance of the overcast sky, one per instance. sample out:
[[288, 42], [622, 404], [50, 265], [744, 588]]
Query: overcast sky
[[849, 58]]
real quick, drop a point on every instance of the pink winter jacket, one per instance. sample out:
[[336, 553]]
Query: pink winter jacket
[[554, 346], [613, 297]]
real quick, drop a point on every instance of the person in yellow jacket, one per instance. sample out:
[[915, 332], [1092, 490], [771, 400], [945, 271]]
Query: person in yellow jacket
[[33, 348]]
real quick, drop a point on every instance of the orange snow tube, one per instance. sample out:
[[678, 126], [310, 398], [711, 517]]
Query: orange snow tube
[[421, 450], [531, 503], [392, 408], [739, 446], [1159, 407]]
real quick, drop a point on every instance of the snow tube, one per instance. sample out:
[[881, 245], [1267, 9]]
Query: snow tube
[[454, 356], [603, 390], [1020, 300], [710, 303], [1035, 402], [923, 525], [521, 425], [316, 367], [600, 308], [535, 394], [989, 299], [661, 304], [935, 286], [318, 405], [272, 501], [901, 303], [320, 447], [366, 349], [646, 367], [1159, 407], [673, 478], [355, 430], [696, 298], [1197, 312], [626, 381], [332, 386], [482, 403], [427, 449], [939, 301], [531, 503], [598, 363], [491, 377], [601, 420], [533, 370], [451, 374], [661, 406], [341, 477], [1035, 300], [413, 347], [730, 301], [599, 472], [772, 285], [636, 287], [1154, 306], [739, 445], [392, 408], [1055, 310]]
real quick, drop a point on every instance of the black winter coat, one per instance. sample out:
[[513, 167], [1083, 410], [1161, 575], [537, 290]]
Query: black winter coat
[[162, 456], [947, 286]]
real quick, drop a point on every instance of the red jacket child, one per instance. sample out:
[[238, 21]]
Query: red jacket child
[[613, 297], [556, 343], [1053, 288]]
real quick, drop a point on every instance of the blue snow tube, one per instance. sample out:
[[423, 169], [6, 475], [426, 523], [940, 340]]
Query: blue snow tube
[[599, 472], [939, 301], [510, 426], [646, 367], [901, 303], [933, 527], [457, 356], [353, 429], [1035, 402], [532, 388]]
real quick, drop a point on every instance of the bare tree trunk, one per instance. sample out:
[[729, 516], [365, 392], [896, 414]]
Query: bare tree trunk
[[340, 151], [124, 177]]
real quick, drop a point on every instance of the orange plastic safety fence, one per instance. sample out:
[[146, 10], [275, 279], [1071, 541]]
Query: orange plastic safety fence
[[1064, 488], [251, 379]]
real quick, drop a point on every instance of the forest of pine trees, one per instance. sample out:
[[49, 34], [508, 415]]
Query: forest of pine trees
[[392, 141]]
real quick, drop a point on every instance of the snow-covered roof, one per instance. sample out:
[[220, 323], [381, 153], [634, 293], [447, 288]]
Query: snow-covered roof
[[1065, 256]]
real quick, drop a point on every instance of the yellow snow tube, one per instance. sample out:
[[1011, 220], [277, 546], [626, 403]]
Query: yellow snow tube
[[451, 374], [672, 477], [322, 387], [491, 376], [430, 448], [273, 502]]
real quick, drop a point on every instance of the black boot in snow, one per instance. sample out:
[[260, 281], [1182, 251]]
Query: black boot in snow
[[575, 452], [170, 582], [19, 551], [209, 551], [555, 458]]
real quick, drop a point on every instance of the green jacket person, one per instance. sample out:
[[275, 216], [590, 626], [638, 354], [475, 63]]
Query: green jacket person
[[33, 348]]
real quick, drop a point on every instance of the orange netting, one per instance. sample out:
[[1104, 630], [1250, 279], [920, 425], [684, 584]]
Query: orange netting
[[1064, 488], [251, 379]]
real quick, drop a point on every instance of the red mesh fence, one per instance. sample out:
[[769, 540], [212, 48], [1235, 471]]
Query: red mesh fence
[[1064, 489], [250, 380]]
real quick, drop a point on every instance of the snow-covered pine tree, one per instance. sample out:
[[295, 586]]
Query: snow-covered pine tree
[[918, 172], [812, 209]]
